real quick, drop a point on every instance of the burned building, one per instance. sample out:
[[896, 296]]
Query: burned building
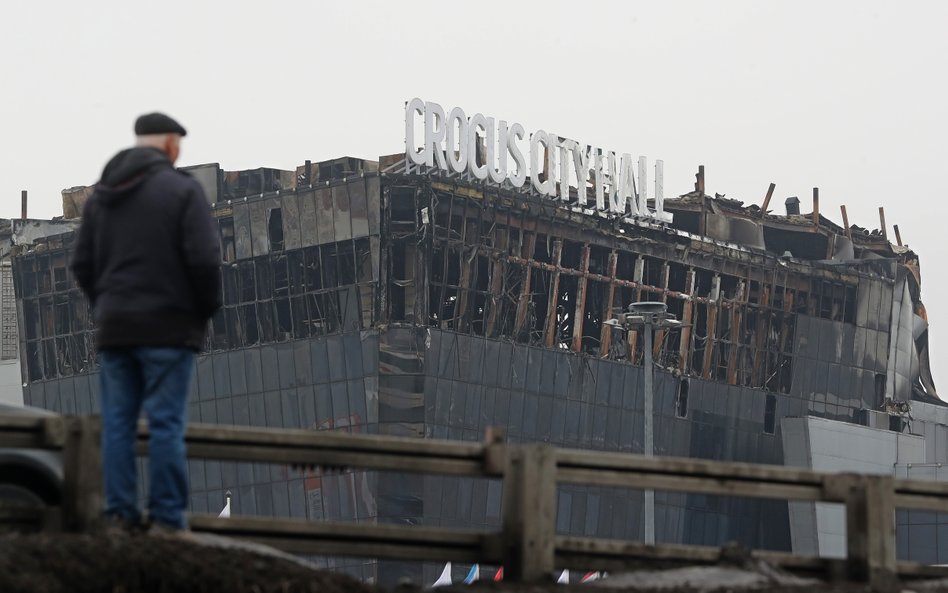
[[15, 236], [396, 298]]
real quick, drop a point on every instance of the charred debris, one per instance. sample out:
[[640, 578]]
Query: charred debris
[[352, 244]]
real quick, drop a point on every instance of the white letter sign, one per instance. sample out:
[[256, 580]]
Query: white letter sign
[[487, 150]]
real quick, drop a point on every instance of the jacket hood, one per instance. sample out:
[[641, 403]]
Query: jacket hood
[[127, 170]]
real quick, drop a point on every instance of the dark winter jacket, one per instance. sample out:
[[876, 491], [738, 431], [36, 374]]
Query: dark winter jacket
[[148, 255]]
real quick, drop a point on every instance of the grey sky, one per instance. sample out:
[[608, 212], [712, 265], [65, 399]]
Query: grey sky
[[844, 96]]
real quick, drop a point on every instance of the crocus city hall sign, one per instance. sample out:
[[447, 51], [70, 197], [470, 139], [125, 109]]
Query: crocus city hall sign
[[450, 143]]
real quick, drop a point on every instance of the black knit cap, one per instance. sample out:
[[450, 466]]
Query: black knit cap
[[157, 123]]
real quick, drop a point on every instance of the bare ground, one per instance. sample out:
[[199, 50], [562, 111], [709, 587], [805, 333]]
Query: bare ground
[[120, 563]]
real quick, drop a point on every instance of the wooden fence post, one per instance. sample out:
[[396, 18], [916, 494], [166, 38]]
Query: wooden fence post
[[530, 513], [82, 474], [870, 531]]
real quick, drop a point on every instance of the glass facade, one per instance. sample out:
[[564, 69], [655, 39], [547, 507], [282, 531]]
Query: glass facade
[[402, 305]]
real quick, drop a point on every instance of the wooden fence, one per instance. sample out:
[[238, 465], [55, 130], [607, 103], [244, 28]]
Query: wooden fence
[[527, 545]]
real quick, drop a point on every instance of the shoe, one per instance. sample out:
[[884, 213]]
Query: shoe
[[163, 530], [117, 526]]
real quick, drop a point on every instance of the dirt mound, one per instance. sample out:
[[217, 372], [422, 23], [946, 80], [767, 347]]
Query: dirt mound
[[120, 563]]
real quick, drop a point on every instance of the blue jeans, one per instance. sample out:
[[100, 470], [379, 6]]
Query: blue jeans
[[156, 379]]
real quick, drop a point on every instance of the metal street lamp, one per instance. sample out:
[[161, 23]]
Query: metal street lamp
[[651, 316]]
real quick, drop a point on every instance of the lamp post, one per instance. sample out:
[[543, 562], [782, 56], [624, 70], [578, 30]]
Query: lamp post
[[650, 316]]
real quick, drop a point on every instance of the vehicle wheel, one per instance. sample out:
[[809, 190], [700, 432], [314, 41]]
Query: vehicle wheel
[[21, 509], [16, 494]]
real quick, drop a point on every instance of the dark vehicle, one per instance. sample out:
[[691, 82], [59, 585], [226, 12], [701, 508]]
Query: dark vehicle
[[29, 477]]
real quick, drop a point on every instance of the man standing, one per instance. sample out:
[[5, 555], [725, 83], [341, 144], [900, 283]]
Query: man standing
[[147, 258]]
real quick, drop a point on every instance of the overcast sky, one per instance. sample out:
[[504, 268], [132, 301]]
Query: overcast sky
[[845, 96]]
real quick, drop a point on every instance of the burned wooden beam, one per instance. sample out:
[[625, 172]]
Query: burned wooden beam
[[605, 335], [816, 207], [638, 286], [659, 341], [464, 285], [496, 290], [684, 345], [711, 328], [580, 314], [885, 234], [785, 329], [770, 194], [760, 336], [849, 233], [699, 188], [523, 304], [552, 325], [737, 315]]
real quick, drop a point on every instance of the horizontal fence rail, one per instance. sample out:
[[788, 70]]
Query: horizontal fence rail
[[527, 545], [347, 539]]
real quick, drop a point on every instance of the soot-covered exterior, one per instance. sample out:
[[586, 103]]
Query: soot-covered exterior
[[392, 300]]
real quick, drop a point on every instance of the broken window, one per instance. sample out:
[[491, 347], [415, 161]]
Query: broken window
[[81, 313], [27, 275], [218, 331], [63, 357], [879, 390], [312, 274], [265, 270], [31, 319], [299, 317], [44, 274], [246, 282], [33, 361], [246, 322], [402, 205], [497, 272], [60, 278], [294, 264], [61, 314], [47, 317], [265, 321], [50, 370], [80, 354], [681, 401], [228, 245], [315, 319], [400, 281], [281, 276], [57, 327], [284, 324], [229, 285], [275, 229]]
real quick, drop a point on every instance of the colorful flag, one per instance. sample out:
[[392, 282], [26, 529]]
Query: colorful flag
[[499, 575], [473, 574], [445, 578], [564, 578], [590, 576]]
